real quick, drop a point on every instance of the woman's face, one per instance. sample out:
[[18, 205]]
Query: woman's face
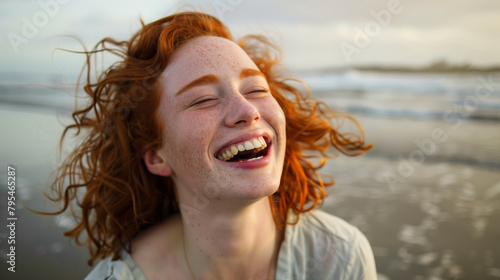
[[222, 127]]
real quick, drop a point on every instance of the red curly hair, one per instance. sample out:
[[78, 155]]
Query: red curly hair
[[119, 125]]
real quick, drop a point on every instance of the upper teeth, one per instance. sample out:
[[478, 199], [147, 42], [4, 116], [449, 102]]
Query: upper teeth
[[257, 144]]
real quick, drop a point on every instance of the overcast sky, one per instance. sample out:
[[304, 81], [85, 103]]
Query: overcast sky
[[313, 34]]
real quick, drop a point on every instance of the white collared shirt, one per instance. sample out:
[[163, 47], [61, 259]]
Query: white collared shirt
[[320, 246]]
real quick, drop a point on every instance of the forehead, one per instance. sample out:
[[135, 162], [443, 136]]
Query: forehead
[[202, 56]]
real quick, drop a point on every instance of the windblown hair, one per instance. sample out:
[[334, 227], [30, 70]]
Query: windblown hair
[[121, 197]]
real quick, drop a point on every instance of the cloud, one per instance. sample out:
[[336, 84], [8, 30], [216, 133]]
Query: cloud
[[310, 33]]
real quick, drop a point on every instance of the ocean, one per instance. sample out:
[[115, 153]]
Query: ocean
[[427, 195]]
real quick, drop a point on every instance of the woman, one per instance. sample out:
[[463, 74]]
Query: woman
[[195, 164]]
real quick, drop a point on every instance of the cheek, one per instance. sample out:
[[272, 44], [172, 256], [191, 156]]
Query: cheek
[[190, 134], [275, 116]]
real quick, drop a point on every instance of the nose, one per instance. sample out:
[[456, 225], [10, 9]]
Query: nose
[[241, 112]]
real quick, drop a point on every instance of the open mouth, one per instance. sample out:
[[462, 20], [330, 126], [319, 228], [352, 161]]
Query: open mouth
[[252, 149]]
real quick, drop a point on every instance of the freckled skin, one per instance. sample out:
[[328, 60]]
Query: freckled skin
[[231, 233], [193, 135]]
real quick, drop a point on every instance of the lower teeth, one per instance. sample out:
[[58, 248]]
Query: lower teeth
[[242, 160]]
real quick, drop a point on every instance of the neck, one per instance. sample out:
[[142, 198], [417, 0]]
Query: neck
[[228, 241]]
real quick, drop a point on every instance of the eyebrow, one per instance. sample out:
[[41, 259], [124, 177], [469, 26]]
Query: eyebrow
[[248, 72], [212, 79], [205, 80]]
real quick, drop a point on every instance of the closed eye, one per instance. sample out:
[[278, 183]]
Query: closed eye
[[262, 91], [201, 101]]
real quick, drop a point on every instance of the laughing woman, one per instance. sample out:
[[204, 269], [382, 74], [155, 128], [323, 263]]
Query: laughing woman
[[195, 163]]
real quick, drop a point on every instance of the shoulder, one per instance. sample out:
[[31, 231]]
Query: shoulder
[[148, 247], [320, 222], [323, 246]]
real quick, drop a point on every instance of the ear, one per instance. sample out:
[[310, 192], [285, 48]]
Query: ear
[[156, 163]]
